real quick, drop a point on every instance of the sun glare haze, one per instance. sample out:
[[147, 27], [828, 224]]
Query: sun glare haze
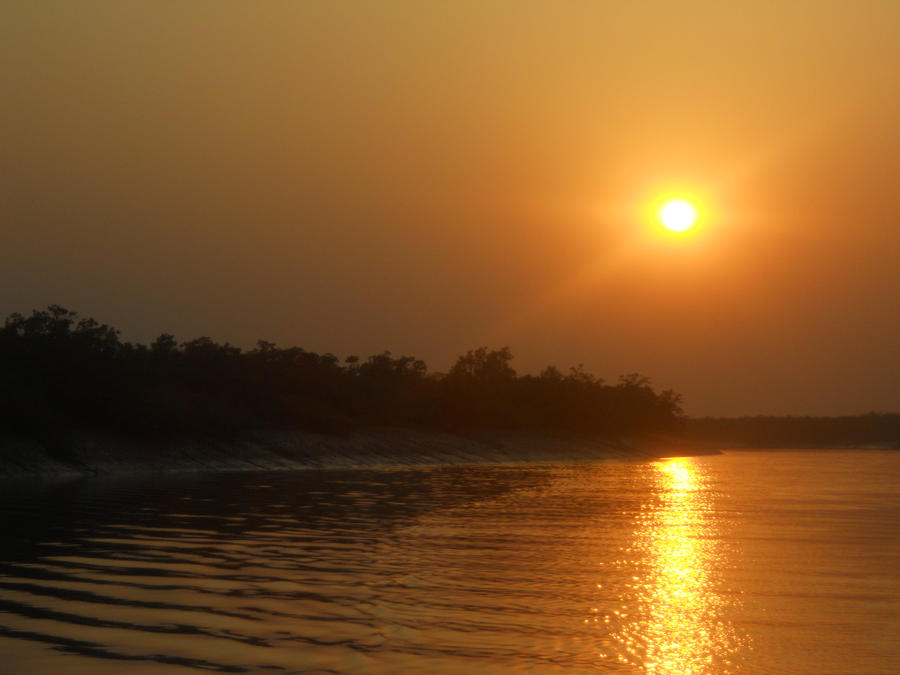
[[446, 337], [678, 215], [354, 177]]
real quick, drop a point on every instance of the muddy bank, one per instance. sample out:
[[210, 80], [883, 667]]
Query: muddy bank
[[95, 453]]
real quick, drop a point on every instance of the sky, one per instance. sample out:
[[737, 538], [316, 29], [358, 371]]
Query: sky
[[430, 177]]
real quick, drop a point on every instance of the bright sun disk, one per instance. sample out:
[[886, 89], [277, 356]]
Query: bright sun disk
[[678, 215]]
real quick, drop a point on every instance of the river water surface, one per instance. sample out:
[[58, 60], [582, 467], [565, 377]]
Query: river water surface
[[748, 562]]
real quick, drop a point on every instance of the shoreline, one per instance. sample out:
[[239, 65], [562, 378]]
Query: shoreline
[[95, 453]]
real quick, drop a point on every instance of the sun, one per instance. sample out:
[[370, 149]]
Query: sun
[[678, 215]]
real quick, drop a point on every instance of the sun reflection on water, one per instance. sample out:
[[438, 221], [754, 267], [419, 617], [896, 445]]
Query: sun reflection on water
[[674, 611]]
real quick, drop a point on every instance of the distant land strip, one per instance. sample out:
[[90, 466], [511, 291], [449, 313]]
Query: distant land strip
[[75, 398]]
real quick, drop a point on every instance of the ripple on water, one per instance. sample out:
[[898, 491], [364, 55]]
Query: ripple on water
[[749, 562]]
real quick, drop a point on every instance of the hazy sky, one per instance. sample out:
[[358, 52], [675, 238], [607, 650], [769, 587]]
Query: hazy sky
[[429, 177]]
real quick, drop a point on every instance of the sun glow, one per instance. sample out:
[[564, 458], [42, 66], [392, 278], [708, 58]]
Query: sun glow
[[678, 215]]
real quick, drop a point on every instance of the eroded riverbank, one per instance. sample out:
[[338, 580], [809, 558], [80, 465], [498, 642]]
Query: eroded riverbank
[[99, 454]]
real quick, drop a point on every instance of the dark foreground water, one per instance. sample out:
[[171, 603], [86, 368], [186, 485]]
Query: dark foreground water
[[750, 562]]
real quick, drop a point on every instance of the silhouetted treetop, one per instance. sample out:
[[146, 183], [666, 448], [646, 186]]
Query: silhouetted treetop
[[62, 371], [484, 365]]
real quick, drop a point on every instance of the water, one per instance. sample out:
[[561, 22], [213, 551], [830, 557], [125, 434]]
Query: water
[[749, 562]]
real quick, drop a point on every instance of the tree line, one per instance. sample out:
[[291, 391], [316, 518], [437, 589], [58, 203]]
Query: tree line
[[794, 431], [62, 372]]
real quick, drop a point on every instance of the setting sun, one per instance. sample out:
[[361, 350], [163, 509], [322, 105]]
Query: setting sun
[[458, 336], [678, 215]]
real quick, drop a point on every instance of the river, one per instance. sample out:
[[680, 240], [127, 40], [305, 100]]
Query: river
[[747, 562]]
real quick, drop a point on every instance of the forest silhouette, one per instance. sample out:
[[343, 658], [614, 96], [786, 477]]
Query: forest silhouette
[[770, 431], [63, 373]]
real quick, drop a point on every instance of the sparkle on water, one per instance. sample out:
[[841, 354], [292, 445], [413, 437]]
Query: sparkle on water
[[747, 562], [678, 625]]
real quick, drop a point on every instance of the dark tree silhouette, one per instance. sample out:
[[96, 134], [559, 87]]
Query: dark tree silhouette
[[797, 432], [62, 373]]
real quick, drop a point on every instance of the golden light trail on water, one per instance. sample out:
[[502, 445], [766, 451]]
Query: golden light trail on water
[[678, 622]]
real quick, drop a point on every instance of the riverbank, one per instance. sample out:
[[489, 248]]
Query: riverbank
[[104, 454]]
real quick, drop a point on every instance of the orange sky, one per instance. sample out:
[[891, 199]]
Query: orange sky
[[431, 177]]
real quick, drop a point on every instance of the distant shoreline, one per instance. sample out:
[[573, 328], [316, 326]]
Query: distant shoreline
[[101, 453], [829, 447], [96, 453]]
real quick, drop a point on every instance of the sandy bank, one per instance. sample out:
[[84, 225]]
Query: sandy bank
[[91, 454]]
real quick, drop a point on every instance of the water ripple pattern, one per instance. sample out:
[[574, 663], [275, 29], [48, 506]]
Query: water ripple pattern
[[749, 562]]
